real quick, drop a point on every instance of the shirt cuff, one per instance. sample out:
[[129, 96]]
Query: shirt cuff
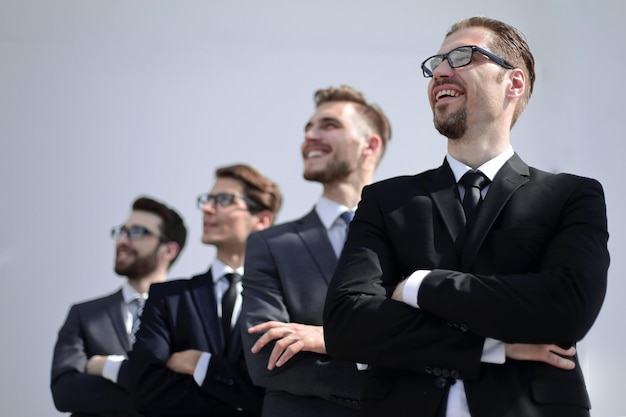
[[111, 367], [412, 286], [199, 374], [493, 351]]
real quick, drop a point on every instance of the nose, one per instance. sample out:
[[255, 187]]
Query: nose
[[443, 70], [209, 206]]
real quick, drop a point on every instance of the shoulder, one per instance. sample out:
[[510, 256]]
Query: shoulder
[[98, 302], [287, 228], [176, 287]]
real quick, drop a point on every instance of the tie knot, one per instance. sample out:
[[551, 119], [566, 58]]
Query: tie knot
[[232, 278], [347, 216], [475, 179]]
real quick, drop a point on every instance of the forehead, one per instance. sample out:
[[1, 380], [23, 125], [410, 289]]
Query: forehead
[[227, 185], [146, 219], [478, 36], [341, 110]]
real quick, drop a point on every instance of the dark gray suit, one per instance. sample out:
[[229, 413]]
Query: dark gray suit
[[287, 271], [533, 269], [93, 327]]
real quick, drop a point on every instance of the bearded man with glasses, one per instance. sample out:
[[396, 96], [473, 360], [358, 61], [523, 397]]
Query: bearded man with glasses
[[188, 358], [465, 288], [90, 370]]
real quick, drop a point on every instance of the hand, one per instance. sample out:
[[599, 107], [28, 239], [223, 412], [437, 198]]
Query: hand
[[95, 365], [550, 354], [291, 339], [184, 362], [397, 292]]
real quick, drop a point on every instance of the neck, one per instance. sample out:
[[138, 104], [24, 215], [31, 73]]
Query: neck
[[141, 285], [475, 151], [234, 259], [348, 191]]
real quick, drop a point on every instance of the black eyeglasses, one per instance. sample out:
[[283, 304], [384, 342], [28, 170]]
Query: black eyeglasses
[[460, 57], [225, 200], [133, 232]]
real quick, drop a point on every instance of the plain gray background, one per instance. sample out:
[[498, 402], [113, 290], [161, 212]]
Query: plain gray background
[[101, 101]]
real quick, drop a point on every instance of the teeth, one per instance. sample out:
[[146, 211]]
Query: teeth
[[451, 93], [313, 154]]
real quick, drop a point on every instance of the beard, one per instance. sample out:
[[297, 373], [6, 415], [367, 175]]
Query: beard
[[335, 170], [454, 126], [140, 267]]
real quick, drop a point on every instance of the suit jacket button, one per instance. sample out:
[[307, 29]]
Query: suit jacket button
[[355, 404], [464, 328], [455, 374], [441, 382], [445, 372], [428, 370], [436, 371]]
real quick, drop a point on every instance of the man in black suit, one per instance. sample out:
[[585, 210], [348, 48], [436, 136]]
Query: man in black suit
[[288, 267], [90, 368], [464, 311], [188, 360]]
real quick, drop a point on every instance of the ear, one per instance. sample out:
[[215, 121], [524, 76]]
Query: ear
[[265, 218], [517, 83], [170, 250], [373, 146]]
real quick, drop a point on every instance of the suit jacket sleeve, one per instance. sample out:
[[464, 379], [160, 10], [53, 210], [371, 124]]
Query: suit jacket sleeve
[[552, 281], [72, 389], [158, 390], [307, 373], [362, 322]]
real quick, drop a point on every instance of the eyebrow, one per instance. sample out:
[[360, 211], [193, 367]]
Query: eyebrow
[[322, 120]]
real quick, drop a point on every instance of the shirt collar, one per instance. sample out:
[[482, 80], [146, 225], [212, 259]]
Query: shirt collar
[[129, 293], [489, 168], [219, 269], [328, 211]]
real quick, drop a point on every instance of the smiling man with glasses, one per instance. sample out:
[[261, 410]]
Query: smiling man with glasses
[[466, 287], [188, 358], [90, 371]]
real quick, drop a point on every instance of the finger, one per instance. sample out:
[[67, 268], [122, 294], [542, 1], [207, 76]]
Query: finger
[[264, 326], [278, 350], [268, 337], [571, 351], [563, 363], [289, 353]]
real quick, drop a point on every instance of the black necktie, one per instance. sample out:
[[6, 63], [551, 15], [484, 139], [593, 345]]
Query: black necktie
[[228, 304], [473, 181]]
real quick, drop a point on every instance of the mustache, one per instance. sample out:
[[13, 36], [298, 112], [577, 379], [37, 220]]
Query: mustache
[[446, 81]]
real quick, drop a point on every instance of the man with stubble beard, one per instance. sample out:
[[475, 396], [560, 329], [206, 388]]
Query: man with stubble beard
[[90, 373], [288, 267]]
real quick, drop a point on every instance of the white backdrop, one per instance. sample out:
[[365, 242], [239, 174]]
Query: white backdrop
[[101, 101]]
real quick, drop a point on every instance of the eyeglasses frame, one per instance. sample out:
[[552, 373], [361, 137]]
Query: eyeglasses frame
[[207, 197], [428, 73], [117, 231]]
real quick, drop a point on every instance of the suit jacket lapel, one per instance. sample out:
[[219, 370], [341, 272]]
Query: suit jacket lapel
[[512, 175], [445, 195], [116, 312], [203, 296], [315, 238]]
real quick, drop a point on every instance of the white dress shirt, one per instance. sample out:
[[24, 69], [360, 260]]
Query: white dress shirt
[[220, 285], [112, 364], [329, 213]]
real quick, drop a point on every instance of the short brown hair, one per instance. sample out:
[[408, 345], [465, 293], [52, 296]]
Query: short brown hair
[[256, 186], [373, 114], [172, 225], [510, 44]]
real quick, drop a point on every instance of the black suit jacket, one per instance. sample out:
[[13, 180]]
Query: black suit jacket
[[180, 315], [287, 271], [93, 327], [532, 270]]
